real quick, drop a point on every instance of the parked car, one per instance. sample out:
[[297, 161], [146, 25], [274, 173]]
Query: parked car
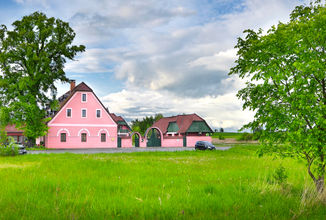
[[204, 145], [21, 149]]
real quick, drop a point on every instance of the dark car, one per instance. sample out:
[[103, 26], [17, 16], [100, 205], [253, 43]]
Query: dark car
[[204, 145], [21, 149]]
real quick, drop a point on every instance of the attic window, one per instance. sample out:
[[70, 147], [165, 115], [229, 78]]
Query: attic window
[[84, 98], [68, 112], [98, 113]]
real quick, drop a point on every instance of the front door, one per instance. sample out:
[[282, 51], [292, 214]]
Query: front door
[[119, 142]]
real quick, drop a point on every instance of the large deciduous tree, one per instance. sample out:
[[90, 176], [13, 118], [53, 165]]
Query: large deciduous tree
[[285, 70], [32, 58]]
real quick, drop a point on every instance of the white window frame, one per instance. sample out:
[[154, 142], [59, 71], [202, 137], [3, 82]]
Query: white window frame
[[82, 97], [70, 113], [100, 113], [82, 112]]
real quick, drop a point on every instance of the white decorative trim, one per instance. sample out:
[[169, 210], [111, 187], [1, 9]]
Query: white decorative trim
[[103, 129], [84, 129], [83, 125], [70, 112], [82, 112], [82, 97], [63, 129], [100, 113]]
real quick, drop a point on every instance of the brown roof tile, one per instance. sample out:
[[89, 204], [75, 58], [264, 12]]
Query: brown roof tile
[[183, 122]]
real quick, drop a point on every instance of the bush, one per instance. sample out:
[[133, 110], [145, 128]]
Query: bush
[[245, 137], [279, 176], [9, 148], [221, 137]]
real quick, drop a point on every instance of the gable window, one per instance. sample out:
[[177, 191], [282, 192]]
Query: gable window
[[68, 113], [98, 113], [103, 137], [84, 98], [83, 137], [63, 137], [84, 113]]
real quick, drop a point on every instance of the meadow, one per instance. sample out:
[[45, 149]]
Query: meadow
[[156, 185], [234, 135]]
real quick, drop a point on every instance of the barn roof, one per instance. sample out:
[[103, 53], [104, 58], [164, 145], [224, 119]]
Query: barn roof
[[182, 124]]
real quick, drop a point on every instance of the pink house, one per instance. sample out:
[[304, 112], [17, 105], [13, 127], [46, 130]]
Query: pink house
[[81, 122]]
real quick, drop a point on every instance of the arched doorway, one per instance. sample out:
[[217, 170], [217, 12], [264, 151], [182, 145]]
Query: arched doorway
[[135, 139], [154, 138]]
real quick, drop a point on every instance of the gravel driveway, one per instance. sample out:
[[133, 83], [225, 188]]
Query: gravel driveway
[[117, 150]]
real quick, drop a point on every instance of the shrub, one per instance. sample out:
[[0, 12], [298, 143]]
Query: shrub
[[279, 176], [245, 137], [221, 137], [9, 148]]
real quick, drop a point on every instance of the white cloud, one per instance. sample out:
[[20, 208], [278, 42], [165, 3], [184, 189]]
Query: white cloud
[[220, 111]]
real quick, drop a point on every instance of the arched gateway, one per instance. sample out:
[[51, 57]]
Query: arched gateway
[[154, 137]]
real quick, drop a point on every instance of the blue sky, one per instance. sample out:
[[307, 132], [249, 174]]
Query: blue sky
[[149, 56]]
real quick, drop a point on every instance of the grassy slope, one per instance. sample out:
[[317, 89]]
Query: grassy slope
[[160, 185]]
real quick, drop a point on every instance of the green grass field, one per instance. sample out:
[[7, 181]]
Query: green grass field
[[155, 185], [234, 135]]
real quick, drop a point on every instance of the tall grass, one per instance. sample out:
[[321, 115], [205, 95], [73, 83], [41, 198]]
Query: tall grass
[[154, 185]]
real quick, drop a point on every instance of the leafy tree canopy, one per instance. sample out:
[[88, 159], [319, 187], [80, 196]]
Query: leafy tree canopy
[[32, 58], [142, 125], [286, 86]]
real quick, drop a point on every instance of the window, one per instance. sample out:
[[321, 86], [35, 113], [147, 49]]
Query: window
[[103, 137], [84, 97], [98, 113], [84, 113], [83, 137], [68, 112], [63, 137]]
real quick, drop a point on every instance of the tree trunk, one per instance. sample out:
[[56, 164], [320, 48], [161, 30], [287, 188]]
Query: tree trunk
[[320, 184]]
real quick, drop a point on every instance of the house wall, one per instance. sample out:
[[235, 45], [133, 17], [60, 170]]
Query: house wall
[[76, 124], [169, 141], [191, 140], [126, 142]]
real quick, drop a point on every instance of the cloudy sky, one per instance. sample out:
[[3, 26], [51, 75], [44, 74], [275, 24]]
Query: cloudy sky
[[149, 56]]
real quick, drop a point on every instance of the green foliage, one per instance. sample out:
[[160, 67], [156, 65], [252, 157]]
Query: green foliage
[[286, 86], [221, 136], [32, 58], [245, 137], [279, 176], [9, 148], [142, 125]]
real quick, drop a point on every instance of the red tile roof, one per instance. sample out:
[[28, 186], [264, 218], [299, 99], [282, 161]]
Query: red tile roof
[[183, 122], [12, 128], [118, 119]]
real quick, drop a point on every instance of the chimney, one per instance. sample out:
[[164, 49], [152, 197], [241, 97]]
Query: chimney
[[72, 84]]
